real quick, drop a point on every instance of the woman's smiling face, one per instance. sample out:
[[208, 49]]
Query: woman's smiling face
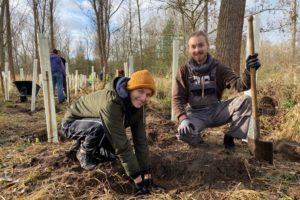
[[140, 97]]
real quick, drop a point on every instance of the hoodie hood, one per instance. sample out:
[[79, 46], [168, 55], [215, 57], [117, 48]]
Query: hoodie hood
[[121, 86]]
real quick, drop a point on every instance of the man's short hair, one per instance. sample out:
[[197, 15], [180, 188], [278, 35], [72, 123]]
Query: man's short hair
[[199, 33], [55, 51]]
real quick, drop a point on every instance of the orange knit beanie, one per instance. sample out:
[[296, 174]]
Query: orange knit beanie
[[141, 79]]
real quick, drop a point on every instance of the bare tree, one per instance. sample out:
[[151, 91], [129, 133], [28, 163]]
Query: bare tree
[[39, 8], [51, 22], [140, 33], [130, 28], [36, 28], [103, 12], [205, 29], [2, 53], [190, 12], [9, 42], [293, 18], [278, 14], [229, 35]]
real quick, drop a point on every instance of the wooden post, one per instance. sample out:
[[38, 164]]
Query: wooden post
[[93, 69], [93, 78], [8, 82], [84, 81], [68, 82], [34, 78], [22, 74], [76, 82], [296, 73], [126, 70], [6, 94], [256, 33], [41, 79], [48, 89], [131, 67], [72, 81], [174, 69], [5, 75], [80, 82], [93, 81]]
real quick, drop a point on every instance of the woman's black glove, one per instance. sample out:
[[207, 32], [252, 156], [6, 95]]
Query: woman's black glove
[[142, 188], [252, 62], [149, 182]]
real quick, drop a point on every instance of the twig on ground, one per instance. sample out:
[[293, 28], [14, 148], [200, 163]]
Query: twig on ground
[[248, 173]]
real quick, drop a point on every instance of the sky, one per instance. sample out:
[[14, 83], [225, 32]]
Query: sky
[[75, 21]]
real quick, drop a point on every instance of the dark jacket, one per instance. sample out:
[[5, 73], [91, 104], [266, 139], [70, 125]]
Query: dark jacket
[[56, 64], [225, 77], [114, 109]]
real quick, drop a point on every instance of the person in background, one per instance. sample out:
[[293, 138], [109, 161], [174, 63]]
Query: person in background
[[97, 123], [198, 91], [58, 72], [121, 72], [64, 77]]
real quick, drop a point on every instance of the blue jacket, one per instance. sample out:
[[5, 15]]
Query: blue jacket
[[57, 65]]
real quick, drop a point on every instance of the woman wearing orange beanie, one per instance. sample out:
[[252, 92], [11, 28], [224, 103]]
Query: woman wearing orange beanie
[[98, 121]]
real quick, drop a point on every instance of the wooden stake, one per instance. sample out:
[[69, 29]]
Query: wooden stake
[[34, 78], [48, 89], [68, 82], [174, 69]]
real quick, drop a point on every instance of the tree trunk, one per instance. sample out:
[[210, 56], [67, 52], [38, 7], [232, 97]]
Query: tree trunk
[[130, 29], [102, 10], [9, 43], [36, 29], [229, 35], [206, 17], [2, 53], [293, 17], [98, 7], [51, 21], [183, 31], [140, 32], [43, 15]]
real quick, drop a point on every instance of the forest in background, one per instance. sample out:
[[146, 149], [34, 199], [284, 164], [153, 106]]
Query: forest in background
[[117, 29]]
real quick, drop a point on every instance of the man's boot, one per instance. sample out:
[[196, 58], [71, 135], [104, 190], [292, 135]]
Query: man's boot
[[86, 159], [71, 153], [228, 142], [75, 145]]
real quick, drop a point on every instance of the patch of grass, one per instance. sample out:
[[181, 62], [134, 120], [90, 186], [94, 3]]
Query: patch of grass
[[21, 146], [9, 104], [40, 194], [288, 104], [32, 177], [285, 197], [296, 127], [245, 194], [166, 102]]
